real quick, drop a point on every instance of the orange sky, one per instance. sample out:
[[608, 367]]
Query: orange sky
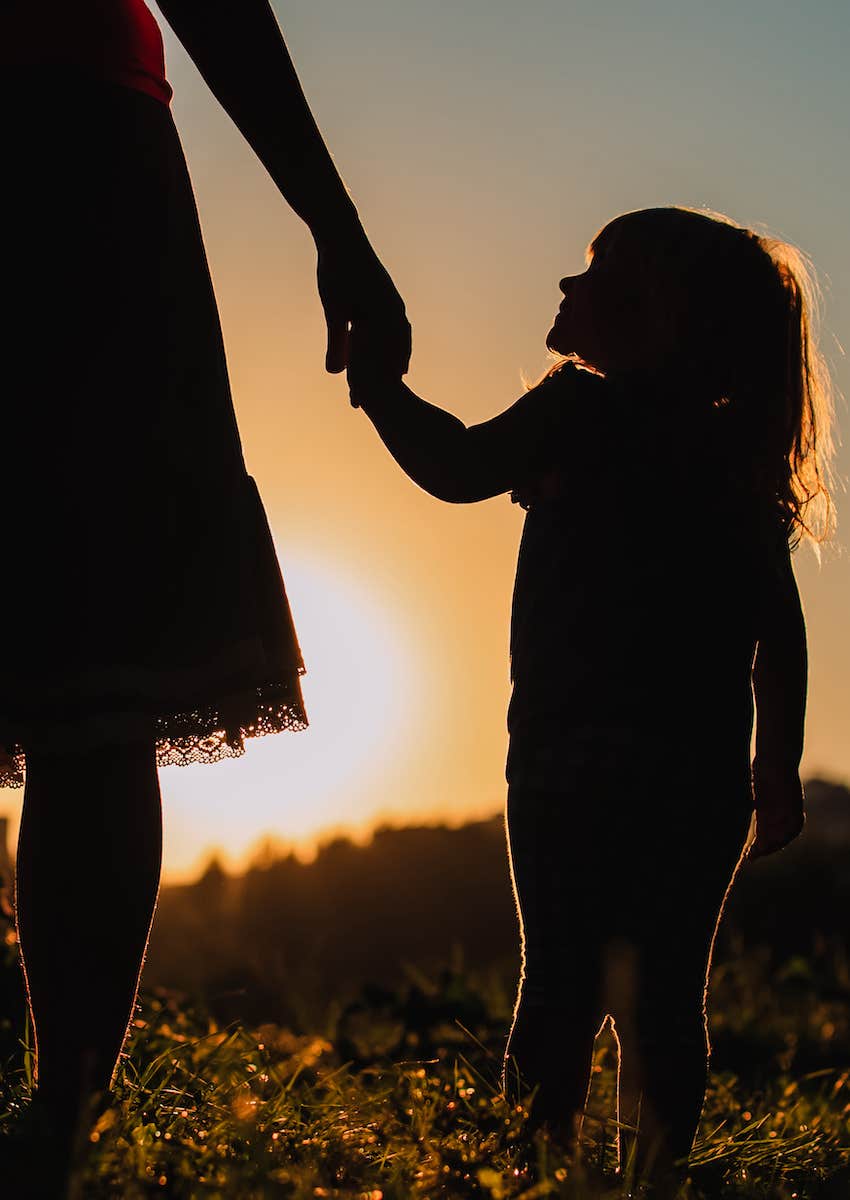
[[484, 144]]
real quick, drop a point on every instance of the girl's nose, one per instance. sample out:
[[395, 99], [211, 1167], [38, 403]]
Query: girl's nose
[[565, 283]]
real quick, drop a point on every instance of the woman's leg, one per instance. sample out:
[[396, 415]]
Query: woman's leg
[[557, 1014], [87, 879]]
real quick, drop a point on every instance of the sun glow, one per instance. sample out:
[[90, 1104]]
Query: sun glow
[[289, 788]]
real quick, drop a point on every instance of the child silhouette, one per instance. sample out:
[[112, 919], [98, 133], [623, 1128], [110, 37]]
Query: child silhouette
[[668, 463]]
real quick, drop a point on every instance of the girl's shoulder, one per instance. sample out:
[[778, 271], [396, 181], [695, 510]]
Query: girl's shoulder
[[566, 411], [569, 401]]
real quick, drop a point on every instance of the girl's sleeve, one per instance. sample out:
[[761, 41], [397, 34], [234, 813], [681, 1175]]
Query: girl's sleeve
[[462, 464]]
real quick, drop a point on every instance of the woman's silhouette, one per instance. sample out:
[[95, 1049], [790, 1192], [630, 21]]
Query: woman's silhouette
[[663, 484], [144, 615]]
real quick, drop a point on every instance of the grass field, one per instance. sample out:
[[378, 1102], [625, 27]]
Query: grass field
[[397, 1096]]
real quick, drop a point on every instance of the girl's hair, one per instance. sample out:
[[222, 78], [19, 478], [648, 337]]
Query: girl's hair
[[743, 308]]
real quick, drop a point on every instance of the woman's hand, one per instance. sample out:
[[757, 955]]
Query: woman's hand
[[374, 370], [357, 291], [240, 51], [779, 805]]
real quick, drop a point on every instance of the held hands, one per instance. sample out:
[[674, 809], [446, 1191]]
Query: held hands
[[356, 290], [779, 805], [373, 362]]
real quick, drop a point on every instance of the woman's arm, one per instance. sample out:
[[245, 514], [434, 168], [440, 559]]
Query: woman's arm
[[779, 681], [238, 47], [463, 464]]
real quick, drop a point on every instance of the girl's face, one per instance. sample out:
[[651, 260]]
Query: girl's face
[[610, 316]]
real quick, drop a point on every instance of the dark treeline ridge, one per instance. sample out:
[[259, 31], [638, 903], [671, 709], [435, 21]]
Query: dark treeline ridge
[[288, 935]]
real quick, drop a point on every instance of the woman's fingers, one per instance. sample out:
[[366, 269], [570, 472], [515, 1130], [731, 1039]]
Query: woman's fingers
[[355, 289], [334, 295], [402, 347], [387, 341], [336, 357]]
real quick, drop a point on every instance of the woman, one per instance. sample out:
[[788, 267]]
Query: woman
[[146, 620]]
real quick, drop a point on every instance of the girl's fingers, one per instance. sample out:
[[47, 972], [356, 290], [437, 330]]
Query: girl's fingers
[[774, 834]]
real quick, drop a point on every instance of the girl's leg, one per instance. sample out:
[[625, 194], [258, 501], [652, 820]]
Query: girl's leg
[[663, 1065], [87, 879], [550, 1048], [664, 1032], [557, 1014]]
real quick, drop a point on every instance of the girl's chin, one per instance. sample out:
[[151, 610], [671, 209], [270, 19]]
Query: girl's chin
[[555, 341]]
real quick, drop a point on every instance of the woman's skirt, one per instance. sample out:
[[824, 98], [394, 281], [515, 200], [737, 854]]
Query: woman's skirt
[[142, 597]]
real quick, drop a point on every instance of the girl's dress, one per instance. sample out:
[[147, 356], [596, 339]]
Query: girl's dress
[[142, 595], [643, 574]]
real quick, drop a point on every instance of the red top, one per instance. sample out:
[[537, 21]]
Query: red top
[[118, 40]]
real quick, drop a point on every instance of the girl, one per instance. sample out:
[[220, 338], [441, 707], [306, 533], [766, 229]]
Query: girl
[[145, 622], [667, 464]]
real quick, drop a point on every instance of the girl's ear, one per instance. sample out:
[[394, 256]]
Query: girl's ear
[[664, 327]]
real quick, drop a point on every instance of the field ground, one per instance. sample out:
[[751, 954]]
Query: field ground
[[397, 1097]]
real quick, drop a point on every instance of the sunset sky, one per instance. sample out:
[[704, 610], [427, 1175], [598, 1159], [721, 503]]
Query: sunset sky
[[484, 142]]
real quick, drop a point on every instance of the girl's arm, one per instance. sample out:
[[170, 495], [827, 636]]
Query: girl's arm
[[238, 48], [779, 680], [463, 464]]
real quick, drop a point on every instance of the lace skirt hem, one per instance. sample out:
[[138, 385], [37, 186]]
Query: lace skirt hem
[[205, 734]]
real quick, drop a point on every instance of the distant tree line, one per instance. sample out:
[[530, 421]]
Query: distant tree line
[[286, 940]]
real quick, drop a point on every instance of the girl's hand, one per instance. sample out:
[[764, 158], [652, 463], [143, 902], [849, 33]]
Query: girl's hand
[[779, 805], [355, 289], [373, 367]]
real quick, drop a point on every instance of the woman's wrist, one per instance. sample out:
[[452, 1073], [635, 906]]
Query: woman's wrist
[[307, 178], [336, 227]]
